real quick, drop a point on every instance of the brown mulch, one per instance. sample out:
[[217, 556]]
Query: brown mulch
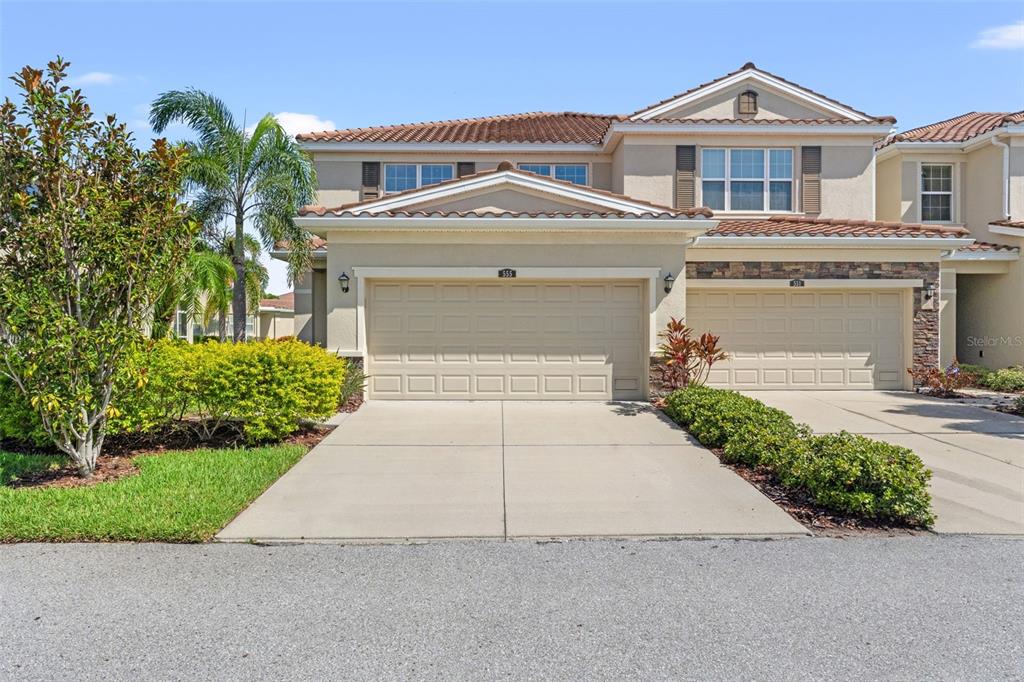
[[805, 510], [353, 403], [119, 453]]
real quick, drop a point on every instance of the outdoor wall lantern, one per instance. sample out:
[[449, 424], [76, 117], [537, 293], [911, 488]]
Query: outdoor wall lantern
[[343, 281], [929, 292], [669, 281]]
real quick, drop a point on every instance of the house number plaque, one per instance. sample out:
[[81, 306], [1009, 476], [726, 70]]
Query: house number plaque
[[796, 282], [506, 273]]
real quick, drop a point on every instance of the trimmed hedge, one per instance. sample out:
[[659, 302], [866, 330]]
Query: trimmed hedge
[[843, 472], [265, 388], [1008, 379]]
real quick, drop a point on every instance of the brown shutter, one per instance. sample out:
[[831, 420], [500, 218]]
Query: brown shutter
[[371, 181], [686, 166], [464, 168], [810, 175]]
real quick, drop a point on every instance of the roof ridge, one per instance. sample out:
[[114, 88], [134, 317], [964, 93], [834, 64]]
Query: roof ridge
[[457, 121]]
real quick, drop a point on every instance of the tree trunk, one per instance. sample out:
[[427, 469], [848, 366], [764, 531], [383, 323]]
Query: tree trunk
[[238, 291], [222, 327], [85, 455]]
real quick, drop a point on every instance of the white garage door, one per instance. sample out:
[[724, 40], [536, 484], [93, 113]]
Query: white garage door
[[524, 340], [804, 339]]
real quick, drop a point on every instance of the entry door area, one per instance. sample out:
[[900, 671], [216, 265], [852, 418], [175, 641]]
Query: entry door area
[[506, 340], [829, 339]]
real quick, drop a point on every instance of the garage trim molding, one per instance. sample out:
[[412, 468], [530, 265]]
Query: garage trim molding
[[363, 273], [808, 284]]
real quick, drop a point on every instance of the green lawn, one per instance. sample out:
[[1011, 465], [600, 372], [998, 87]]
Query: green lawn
[[180, 496]]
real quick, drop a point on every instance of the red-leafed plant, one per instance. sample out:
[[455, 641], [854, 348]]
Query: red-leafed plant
[[686, 360], [943, 383]]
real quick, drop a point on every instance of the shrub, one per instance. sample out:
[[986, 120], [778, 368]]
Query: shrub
[[1010, 379], [843, 472], [943, 383], [857, 475], [1018, 405], [683, 359], [977, 371]]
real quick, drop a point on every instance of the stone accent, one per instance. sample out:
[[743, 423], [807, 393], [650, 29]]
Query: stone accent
[[926, 315]]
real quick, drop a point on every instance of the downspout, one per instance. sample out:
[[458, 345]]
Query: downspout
[[1006, 176]]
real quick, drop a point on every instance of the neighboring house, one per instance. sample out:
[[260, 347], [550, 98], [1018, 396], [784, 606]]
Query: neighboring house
[[536, 256], [277, 317], [969, 171]]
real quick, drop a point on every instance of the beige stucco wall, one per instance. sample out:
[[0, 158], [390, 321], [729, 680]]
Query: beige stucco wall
[[351, 250], [274, 325], [906, 169], [847, 176], [888, 189], [515, 200], [302, 321], [983, 190], [990, 317], [319, 336], [1017, 178], [724, 104]]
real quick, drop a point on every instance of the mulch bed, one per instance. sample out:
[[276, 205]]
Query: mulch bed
[[119, 452], [802, 507]]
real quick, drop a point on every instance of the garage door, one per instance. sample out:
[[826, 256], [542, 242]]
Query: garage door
[[524, 340], [804, 339]]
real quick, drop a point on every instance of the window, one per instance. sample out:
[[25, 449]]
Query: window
[[936, 192], [575, 173], [748, 102], [747, 179], [399, 177]]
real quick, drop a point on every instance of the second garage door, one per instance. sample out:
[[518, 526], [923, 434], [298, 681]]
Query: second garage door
[[834, 339], [529, 340]]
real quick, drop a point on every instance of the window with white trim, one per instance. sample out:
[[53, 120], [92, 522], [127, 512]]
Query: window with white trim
[[759, 180], [399, 177], [936, 192], [575, 173]]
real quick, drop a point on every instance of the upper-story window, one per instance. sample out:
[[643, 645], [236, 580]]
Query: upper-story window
[[937, 192], [575, 173], [748, 102], [747, 179], [399, 177]]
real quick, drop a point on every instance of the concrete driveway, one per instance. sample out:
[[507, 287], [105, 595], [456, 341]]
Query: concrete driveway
[[417, 470], [976, 455]]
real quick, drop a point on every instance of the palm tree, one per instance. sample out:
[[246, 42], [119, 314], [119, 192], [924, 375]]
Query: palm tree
[[261, 176], [206, 275]]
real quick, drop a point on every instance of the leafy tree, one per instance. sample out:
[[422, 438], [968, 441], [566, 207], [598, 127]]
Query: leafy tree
[[206, 276], [91, 232], [261, 176], [256, 279]]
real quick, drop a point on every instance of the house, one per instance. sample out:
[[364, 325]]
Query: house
[[967, 171], [276, 317], [536, 256]]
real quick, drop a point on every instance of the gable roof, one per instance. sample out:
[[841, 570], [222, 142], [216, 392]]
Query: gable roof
[[403, 204], [957, 129], [282, 302], [750, 70], [536, 126]]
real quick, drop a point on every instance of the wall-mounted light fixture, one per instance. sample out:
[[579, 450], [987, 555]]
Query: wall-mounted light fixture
[[343, 280], [669, 281], [929, 292]]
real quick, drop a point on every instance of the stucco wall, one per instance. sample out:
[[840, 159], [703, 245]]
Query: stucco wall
[[516, 200], [847, 176], [724, 104], [888, 189], [274, 325], [303, 319], [1017, 178], [990, 317], [490, 250], [983, 190]]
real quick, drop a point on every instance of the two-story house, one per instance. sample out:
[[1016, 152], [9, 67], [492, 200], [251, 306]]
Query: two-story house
[[967, 171], [537, 255]]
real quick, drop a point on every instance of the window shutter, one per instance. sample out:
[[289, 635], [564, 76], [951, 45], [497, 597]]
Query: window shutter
[[371, 181], [686, 166], [464, 168], [810, 174]]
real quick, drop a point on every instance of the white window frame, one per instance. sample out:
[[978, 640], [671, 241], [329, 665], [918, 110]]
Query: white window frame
[[767, 179], [419, 174], [553, 164], [921, 191]]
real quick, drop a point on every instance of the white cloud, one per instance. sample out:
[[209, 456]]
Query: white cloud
[[1008, 37], [94, 78], [295, 123]]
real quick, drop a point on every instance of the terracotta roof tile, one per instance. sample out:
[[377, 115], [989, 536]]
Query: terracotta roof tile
[[988, 246], [957, 129], [749, 66], [801, 226], [533, 127], [1019, 224], [350, 210], [759, 121], [282, 302]]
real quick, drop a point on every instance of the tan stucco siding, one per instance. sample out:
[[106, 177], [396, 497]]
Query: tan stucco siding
[[724, 104], [303, 317], [515, 200], [353, 250], [990, 317], [274, 325], [1017, 178], [983, 189], [888, 189], [847, 177], [338, 181]]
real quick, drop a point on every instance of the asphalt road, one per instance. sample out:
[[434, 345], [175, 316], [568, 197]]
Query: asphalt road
[[901, 608]]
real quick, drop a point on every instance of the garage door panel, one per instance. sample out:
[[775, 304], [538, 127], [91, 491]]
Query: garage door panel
[[528, 340], [804, 339]]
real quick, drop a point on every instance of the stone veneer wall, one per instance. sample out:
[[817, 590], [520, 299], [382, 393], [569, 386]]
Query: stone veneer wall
[[926, 317]]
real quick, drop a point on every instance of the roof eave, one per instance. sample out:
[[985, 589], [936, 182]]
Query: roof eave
[[729, 241], [321, 225]]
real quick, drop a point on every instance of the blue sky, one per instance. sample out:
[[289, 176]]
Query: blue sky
[[342, 65]]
